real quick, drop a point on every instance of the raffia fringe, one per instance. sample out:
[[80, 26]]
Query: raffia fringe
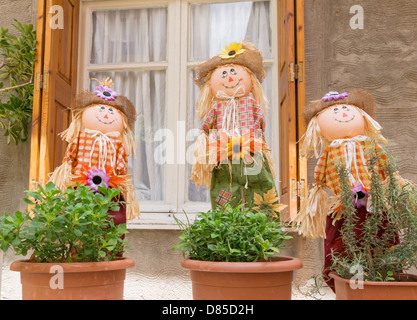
[[268, 157], [311, 219], [62, 176], [128, 192], [202, 168]]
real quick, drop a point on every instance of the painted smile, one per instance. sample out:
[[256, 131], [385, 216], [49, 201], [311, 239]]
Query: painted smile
[[104, 121], [344, 121], [232, 87]]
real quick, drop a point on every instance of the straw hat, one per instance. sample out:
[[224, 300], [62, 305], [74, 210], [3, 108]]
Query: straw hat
[[244, 54], [357, 97], [105, 95]]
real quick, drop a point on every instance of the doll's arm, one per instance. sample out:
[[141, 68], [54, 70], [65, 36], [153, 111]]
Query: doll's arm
[[121, 161], [209, 120], [311, 219], [62, 176]]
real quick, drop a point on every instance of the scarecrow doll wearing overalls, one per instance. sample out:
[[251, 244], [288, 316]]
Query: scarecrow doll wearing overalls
[[231, 156], [99, 142], [340, 132]]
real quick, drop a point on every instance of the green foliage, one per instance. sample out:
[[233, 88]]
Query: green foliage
[[392, 217], [231, 234], [65, 226], [17, 66]]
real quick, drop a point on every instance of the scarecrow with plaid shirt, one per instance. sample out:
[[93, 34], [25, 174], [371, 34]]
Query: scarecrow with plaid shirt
[[341, 130], [231, 156]]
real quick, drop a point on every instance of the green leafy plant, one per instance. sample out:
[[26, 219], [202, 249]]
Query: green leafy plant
[[17, 67], [387, 244], [68, 226], [231, 234]]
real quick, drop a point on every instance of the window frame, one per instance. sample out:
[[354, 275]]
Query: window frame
[[159, 214]]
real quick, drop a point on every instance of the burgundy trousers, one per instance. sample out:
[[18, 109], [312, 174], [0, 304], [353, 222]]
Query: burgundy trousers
[[333, 241]]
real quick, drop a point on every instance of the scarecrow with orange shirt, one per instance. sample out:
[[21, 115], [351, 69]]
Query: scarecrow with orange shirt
[[341, 131], [231, 156], [99, 142]]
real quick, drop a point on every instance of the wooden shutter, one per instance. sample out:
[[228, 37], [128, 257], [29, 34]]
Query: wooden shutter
[[291, 94], [55, 84]]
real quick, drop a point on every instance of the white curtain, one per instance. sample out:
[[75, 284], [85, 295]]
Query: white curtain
[[212, 26], [129, 36]]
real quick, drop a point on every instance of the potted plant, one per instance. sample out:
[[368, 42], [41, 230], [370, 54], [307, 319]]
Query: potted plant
[[75, 247], [232, 255], [381, 249]]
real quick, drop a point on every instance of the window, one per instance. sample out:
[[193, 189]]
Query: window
[[149, 48]]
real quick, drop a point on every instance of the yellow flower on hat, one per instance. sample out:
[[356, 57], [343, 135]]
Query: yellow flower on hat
[[232, 50]]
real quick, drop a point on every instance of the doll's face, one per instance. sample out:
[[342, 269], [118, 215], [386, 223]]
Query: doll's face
[[341, 121], [102, 118], [228, 79]]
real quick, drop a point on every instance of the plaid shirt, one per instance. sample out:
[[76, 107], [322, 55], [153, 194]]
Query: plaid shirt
[[79, 150], [326, 172], [249, 115]]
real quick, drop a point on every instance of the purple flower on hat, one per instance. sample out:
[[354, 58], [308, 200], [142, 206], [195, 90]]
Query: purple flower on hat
[[360, 196], [105, 93], [334, 95]]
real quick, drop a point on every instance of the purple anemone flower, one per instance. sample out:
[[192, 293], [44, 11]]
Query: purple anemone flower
[[97, 178], [360, 196], [105, 93], [334, 95]]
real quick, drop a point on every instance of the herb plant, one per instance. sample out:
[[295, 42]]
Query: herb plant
[[231, 234], [17, 60], [387, 245], [70, 226]]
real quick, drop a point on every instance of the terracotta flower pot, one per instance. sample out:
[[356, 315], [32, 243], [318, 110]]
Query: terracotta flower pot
[[242, 280], [73, 281], [376, 290]]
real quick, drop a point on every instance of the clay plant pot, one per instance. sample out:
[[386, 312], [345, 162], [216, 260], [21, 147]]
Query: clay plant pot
[[73, 281], [376, 290], [271, 280]]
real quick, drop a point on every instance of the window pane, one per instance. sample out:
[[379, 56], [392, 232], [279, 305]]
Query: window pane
[[212, 26], [146, 89], [135, 35]]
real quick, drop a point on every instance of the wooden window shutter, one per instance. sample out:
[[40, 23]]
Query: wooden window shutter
[[293, 171], [55, 84]]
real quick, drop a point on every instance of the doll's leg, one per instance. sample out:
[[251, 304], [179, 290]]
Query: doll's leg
[[119, 217]]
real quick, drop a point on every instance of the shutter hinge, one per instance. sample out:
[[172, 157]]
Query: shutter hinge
[[298, 189], [296, 71], [38, 81]]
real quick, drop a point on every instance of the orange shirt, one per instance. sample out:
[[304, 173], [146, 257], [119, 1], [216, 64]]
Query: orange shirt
[[354, 159], [108, 151]]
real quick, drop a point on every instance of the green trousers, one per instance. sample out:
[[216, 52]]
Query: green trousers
[[237, 183]]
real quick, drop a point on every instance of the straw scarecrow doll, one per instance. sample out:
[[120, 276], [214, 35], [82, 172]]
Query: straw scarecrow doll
[[99, 143], [340, 131], [231, 155]]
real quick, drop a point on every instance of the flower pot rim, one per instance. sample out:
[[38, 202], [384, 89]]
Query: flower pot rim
[[378, 283], [279, 264], [72, 267]]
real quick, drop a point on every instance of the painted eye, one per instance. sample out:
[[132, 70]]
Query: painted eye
[[233, 71], [111, 110], [102, 109], [336, 110], [345, 108], [224, 74]]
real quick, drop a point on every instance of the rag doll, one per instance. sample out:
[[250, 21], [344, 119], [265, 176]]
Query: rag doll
[[231, 156], [340, 131], [99, 143]]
